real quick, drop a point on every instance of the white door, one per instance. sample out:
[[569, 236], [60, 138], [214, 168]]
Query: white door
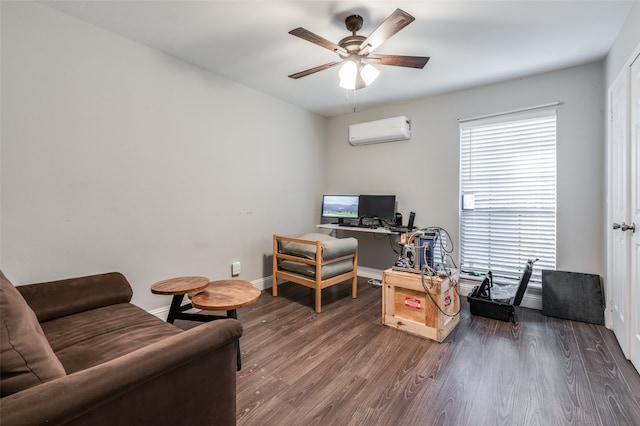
[[618, 253], [634, 169]]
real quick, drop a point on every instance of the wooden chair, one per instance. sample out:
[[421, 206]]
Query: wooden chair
[[316, 261]]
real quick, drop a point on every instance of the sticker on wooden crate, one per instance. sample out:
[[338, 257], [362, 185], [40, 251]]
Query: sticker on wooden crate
[[412, 303], [447, 301]]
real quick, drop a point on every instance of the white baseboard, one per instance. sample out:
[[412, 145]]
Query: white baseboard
[[161, 313], [263, 283], [375, 274]]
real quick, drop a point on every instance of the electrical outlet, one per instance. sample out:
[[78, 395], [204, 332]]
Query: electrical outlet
[[235, 269]]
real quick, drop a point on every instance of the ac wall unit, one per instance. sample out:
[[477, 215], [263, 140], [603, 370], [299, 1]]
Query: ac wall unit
[[386, 130]]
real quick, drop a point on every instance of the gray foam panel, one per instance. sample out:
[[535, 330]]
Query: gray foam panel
[[573, 296]]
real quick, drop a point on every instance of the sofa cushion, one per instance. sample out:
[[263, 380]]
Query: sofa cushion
[[331, 247], [93, 337], [26, 357], [56, 299]]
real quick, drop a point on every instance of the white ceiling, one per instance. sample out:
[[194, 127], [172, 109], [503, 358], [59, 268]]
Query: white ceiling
[[470, 43]]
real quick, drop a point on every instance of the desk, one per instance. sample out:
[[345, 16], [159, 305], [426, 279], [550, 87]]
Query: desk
[[335, 227]]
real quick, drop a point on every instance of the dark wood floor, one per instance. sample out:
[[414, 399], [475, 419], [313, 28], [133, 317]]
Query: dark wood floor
[[343, 367]]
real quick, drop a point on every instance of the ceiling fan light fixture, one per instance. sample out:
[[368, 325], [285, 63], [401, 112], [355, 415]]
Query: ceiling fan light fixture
[[369, 73], [355, 75], [348, 70], [348, 73]]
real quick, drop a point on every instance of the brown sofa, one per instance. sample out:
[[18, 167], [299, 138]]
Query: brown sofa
[[79, 353]]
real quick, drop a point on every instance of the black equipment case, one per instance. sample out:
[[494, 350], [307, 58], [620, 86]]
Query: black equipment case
[[484, 304]]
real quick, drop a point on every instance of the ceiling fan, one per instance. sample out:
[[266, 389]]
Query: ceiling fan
[[355, 50]]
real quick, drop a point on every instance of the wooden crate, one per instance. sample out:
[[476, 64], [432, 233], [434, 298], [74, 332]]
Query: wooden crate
[[407, 306]]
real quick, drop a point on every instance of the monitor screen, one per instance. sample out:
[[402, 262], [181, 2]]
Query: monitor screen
[[380, 206], [340, 206]]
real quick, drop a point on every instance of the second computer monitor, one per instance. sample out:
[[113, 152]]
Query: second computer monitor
[[381, 206]]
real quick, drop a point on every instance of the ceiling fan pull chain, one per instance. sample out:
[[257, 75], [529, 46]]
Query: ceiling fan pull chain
[[354, 100]]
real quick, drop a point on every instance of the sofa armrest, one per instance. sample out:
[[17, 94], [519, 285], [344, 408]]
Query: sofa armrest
[[56, 299], [189, 378]]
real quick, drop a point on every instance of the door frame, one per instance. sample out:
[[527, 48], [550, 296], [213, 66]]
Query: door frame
[[634, 213]]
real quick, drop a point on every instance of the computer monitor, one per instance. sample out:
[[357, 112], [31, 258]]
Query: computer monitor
[[340, 207], [381, 206]]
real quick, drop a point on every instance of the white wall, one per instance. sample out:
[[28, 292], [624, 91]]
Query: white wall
[[424, 172], [625, 44], [116, 156]]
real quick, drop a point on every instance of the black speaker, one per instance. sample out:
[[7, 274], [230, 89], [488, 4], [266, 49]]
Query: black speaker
[[398, 219], [412, 217]]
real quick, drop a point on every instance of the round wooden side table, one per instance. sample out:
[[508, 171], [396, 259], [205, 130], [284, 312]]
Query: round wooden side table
[[226, 295], [178, 287]]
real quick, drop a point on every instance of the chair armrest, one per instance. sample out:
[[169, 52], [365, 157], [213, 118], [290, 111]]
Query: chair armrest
[[56, 299], [189, 378]]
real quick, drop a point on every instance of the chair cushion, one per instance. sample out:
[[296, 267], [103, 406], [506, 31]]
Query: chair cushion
[[328, 271], [331, 247], [26, 357]]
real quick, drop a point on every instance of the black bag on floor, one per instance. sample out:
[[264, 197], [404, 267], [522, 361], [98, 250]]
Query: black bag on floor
[[499, 302]]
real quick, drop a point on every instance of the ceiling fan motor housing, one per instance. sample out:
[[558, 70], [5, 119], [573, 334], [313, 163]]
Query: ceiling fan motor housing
[[353, 23], [351, 44]]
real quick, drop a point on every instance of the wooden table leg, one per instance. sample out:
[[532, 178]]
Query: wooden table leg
[[174, 309]]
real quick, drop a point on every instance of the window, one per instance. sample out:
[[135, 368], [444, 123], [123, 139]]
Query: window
[[508, 194]]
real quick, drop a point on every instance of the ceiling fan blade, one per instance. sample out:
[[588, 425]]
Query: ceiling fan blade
[[394, 23], [316, 39], [399, 60], [314, 70]]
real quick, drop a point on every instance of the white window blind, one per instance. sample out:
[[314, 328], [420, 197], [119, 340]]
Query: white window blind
[[508, 188]]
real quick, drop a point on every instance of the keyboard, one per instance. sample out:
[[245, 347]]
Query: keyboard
[[356, 225]]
